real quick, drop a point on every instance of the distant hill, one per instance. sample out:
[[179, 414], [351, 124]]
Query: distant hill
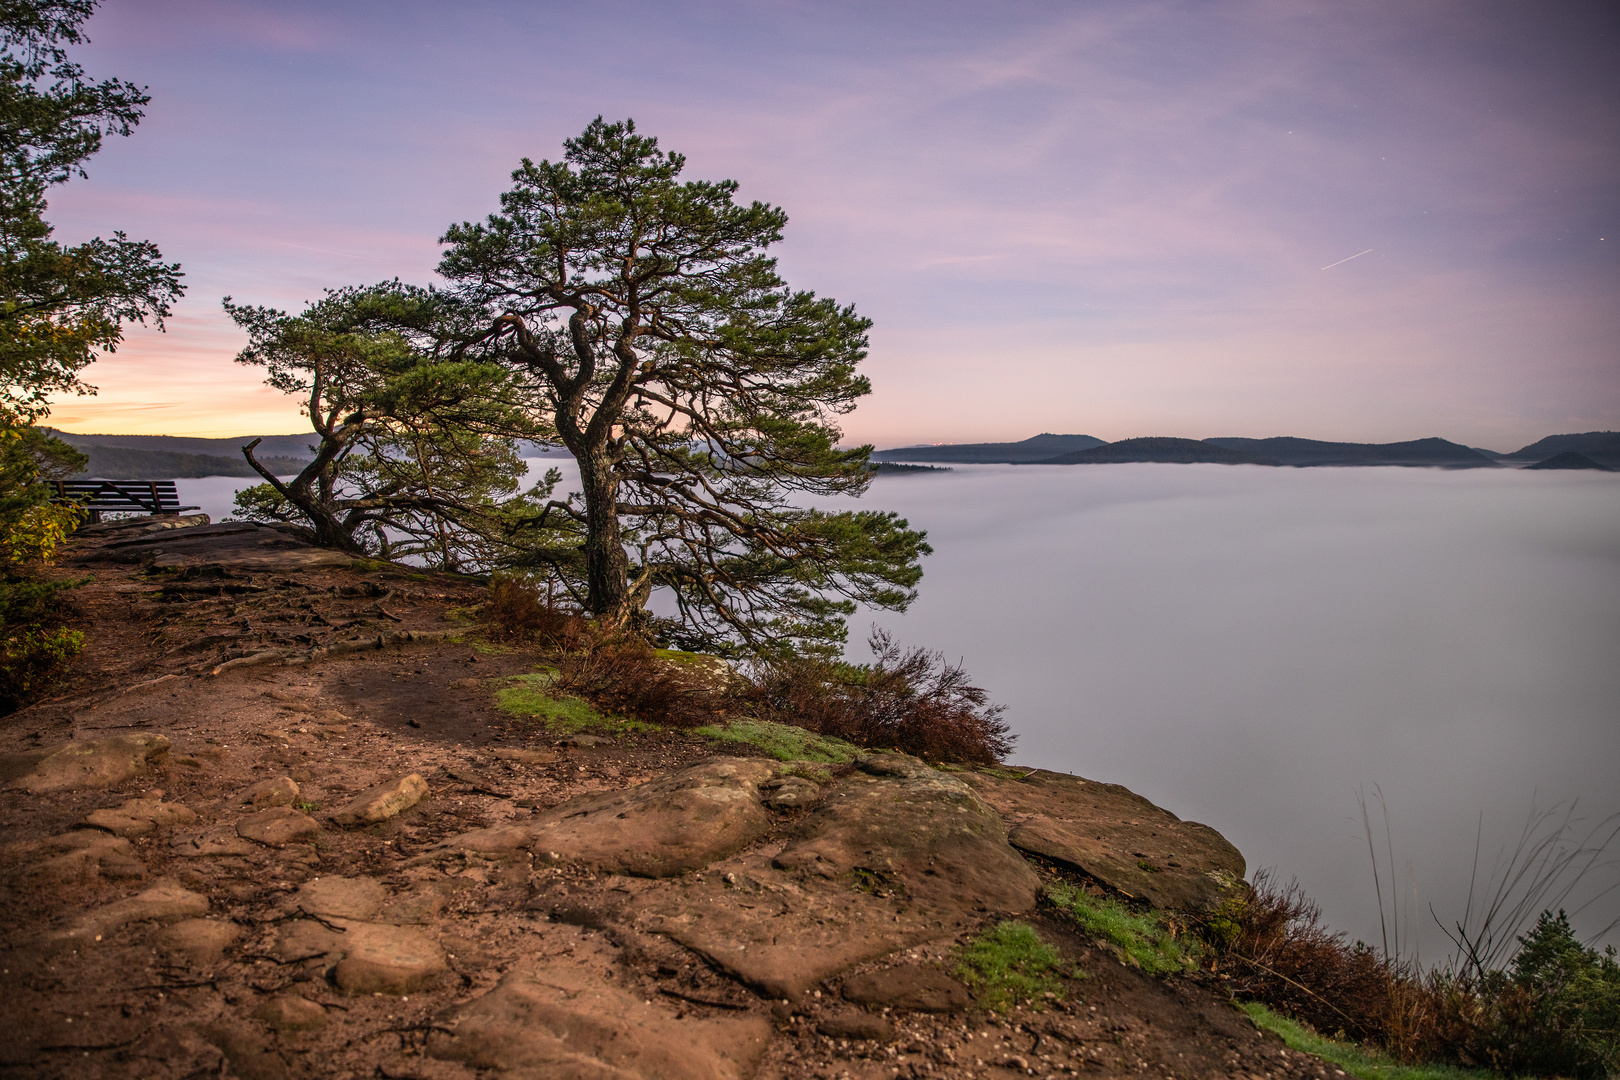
[[293, 446], [1569, 459], [886, 468], [1305, 452], [1175, 451], [1033, 449], [119, 463], [1600, 446]]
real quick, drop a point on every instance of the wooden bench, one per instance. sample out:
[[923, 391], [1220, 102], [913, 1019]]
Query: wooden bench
[[137, 496]]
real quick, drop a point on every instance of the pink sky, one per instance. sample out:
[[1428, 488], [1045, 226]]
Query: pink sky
[[1108, 217]]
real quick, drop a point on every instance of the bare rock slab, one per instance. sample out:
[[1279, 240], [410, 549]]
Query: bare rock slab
[[137, 817], [94, 763], [217, 841], [902, 826], [165, 901], [80, 855], [1115, 836], [382, 801], [277, 827], [908, 987], [886, 861], [671, 825], [341, 897], [557, 1022]]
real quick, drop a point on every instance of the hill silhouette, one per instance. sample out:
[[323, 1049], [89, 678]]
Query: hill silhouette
[[1569, 459], [1037, 448], [1161, 449], [1599, 446], [1306, 452]]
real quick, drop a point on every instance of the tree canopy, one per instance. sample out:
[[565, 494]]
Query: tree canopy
[[697, 392], [60, 305], [414, 448]]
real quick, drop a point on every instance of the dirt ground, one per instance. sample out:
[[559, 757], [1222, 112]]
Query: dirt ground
[[221, 989]]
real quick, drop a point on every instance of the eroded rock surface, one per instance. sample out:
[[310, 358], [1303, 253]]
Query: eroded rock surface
[[93, 763], [892, 856], [382, 801], [1115, 836], [667, 826], [137, 817], [550, 1021]]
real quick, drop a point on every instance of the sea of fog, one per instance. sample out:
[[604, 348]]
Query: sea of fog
[[1250, 647]]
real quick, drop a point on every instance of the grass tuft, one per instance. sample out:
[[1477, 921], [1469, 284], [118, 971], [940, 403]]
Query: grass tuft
[[1356, 1060], [1142, 939], [782, 741], [530, 697], [1009, 963]]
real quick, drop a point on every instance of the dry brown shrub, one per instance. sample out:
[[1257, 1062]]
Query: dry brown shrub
[[520, 613], [1283, 956], [914, 701], [620, 673]]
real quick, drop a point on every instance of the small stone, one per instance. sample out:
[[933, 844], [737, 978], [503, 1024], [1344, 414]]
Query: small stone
[[387, 960], [383, 801], [202, 942], [277, 827], [280, 791], [465, 684], [289, 1012], [137, 817], [525, 757], [97, 763], [856, 1026], [248, 1051]]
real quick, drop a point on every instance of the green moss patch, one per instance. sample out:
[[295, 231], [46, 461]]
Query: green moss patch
[[1355, 1060], [782, 741], [1009, 963], [1141, 938], [530, 697]]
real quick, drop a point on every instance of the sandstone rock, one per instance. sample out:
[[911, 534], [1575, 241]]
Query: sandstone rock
[[909, 987], [249, 1052], [200, 942], [883, 863], [901, 765], [277, 827], [341, 897], [137, 817], [1116, 836], [165, 901], [918, 830], [213, 842], [387, 959], [279, 791], [584, 740], [383, 801], [96, 763], [856, 1026], [418, 904], [670, 825], [289, 1012], [83, 854], [563, 1022]]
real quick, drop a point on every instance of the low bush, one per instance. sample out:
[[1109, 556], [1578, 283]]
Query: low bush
[[518, 612], [35, 649], [1554, 1010], [620, 673], [1142, 938], [1009, 963], [909, 700]]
